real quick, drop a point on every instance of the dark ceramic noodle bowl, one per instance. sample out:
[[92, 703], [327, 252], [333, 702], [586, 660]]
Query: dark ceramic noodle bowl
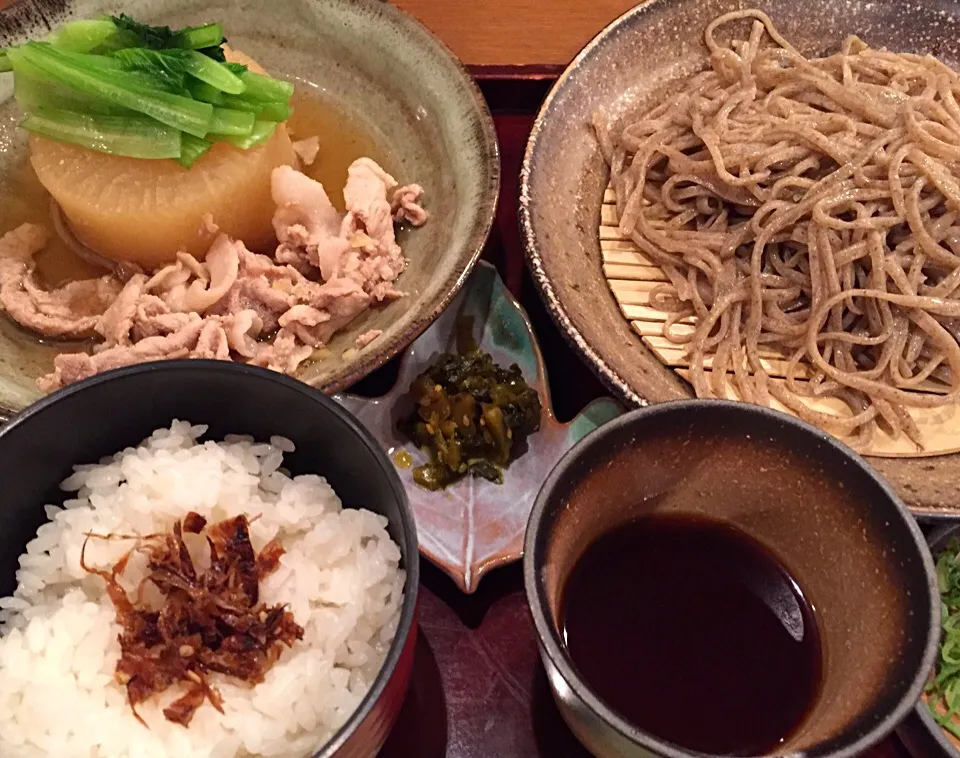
[[835, 525], [624, 71], [103, 415]]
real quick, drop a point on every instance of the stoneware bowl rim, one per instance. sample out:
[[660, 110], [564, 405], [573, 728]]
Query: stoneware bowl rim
[[486, 212], [607, 373], [549, 640], [256, 375]]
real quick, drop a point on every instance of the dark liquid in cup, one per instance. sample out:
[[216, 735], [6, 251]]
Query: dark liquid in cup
[[692, 631]]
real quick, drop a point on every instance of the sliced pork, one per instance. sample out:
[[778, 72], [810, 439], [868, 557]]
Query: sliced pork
[[366, 338], [70, 311], [307, 149], [365, 197], [199, 338], [327, 269], [406, 205], [301, 202]]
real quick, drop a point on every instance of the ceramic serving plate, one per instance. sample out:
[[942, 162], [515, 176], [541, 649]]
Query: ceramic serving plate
[[475, 525], [564, 177], [381, 69]]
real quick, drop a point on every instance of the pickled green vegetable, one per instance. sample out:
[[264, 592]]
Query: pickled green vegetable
[[472, 417]]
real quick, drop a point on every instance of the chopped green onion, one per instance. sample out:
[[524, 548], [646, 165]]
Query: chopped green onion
[[943, 693], [215, 74], [132, 136], [262, 131], [263, 89], [191, 148], [230, 122], [116, 87], [83, 36]]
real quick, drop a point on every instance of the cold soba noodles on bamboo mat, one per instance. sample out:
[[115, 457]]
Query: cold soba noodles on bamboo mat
[[802, 217]]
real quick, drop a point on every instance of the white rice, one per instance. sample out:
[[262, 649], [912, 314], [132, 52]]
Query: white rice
[[339, 576]]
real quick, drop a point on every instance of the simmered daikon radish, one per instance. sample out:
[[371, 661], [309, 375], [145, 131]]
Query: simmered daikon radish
[[144, 211]]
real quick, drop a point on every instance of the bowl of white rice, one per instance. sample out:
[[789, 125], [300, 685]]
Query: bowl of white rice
[[99, 474]]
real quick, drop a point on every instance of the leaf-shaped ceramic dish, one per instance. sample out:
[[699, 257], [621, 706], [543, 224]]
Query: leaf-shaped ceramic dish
[[474, 525]]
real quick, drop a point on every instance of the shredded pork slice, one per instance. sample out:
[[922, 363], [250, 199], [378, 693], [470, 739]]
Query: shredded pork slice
[[328, 268], [301, 202], [154, 318], [23, 242], [117, 321], [200, 338], [285, 354], [366, 338], [365, 197], [73, 310], [208, 225], [261, 286], [222, 267], [406, 205], [307, 149]]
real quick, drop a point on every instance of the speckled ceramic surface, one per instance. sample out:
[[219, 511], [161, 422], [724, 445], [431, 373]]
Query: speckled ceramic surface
[[377, 65], [623, 70], [835, 527], [475, 525]]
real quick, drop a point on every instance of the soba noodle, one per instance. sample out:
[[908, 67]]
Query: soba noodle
[[808, 208]]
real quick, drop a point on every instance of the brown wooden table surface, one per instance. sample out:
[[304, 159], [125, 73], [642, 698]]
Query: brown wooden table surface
[[516, 32]]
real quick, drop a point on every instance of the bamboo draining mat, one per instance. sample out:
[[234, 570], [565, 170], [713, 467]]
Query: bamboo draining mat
[[632, 277]]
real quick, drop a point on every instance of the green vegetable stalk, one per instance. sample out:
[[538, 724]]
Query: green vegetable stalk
[[121, 87]]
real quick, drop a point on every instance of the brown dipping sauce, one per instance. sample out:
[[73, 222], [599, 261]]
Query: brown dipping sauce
[[692, 631]]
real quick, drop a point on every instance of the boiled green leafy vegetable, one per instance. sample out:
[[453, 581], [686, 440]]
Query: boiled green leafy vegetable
[[943, 693], [119, 86]]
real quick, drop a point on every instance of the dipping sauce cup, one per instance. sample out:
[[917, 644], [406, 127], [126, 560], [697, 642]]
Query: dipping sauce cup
[[815, 505]]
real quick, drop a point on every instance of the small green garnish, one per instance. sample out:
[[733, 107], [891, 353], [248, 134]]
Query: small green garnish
[[943, 693], [115, 85]]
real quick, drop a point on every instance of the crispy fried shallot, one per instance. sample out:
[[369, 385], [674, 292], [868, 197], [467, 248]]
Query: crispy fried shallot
[[209, 621]]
